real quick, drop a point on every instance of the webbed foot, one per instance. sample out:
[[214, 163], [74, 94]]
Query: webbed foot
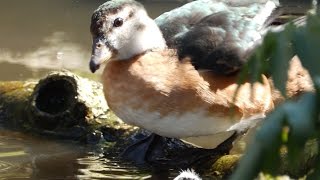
[[142, 149], [161, 152], [193, 156]]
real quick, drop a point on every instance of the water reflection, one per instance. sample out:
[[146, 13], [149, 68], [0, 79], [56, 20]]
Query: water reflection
[[22, 156], [25, 157], [46, 34], [55, 53], [102, 168]]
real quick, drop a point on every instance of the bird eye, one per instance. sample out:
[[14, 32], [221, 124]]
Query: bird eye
[[118, 22]]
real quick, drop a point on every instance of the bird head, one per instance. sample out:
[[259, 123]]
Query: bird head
[[122, 29]]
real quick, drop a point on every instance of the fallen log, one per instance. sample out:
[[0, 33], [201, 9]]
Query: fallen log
[[61, 105]]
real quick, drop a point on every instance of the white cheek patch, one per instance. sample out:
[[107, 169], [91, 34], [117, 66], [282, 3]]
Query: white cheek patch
[[139, 34], [117, 35]]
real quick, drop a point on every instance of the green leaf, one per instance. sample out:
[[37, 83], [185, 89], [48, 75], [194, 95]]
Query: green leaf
[[301, 118], [272, 58], [316, 81], [258, 62], [318, 7], [306, 41], [280, 56], [263, 153]]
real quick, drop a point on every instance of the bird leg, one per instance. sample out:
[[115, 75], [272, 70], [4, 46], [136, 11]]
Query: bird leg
[[162, 152], [192, 156], [151, 145]]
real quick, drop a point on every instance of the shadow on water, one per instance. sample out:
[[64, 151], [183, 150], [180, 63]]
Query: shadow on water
[[38, 36]]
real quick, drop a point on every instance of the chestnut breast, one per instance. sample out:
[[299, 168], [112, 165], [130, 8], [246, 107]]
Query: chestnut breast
[[169, 97]]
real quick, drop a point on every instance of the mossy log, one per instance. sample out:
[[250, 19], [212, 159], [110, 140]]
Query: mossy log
[[61, 105], [66, 106]]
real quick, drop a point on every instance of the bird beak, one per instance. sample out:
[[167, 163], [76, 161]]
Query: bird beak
[[100, 54]]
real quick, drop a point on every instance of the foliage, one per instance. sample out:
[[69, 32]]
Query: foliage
[[293, 123]]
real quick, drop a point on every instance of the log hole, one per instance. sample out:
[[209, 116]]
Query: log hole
[[56, 96]]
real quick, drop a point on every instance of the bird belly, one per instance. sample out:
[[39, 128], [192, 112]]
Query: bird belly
[[177, 125], [195, 127]]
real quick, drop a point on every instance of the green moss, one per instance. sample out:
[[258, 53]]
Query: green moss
[[226, 163], [13, 101]]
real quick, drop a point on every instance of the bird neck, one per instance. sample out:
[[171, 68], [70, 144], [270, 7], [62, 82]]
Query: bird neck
[[146, 37]]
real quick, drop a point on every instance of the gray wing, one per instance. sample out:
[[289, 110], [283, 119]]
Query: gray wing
[[220, 42], [218, 35], [179, 21]]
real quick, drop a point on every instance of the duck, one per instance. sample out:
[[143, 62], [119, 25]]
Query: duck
[[147, 84]]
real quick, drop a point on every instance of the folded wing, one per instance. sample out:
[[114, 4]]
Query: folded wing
[[220, 35]]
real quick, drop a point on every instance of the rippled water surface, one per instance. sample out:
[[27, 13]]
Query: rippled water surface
[[37, 36], [25, 157]]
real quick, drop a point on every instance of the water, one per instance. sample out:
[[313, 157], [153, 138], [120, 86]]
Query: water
[[26, 157], [46, 34], [37, 36]]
